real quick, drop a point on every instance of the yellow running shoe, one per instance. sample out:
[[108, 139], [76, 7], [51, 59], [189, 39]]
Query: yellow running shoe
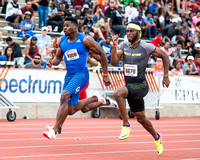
[[159, 145], [125, 132]]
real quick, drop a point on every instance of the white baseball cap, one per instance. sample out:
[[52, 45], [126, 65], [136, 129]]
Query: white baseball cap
[[174, 20], [197, 45], [190, 58], [44, 29]]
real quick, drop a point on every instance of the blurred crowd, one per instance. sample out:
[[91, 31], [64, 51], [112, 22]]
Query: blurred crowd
[[173, 27]]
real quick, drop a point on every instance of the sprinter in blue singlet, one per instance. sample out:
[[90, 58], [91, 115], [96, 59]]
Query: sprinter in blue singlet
[[75, 47]]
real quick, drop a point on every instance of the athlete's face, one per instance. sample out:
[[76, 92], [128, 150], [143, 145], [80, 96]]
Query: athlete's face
[[132, 34], [69, 28]]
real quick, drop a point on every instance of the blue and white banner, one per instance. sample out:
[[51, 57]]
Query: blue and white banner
[[27, 85]]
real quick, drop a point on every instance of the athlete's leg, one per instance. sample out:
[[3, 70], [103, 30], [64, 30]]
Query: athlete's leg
[[63, 110], [146, 123], [120, 95]]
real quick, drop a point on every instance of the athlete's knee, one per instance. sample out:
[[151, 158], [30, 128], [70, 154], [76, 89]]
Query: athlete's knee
[[141, 118], [117, 94], [65, 97], [84, 110]]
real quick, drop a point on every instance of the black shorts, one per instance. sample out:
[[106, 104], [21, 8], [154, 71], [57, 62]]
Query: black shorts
[[12, 18], [136, 92]]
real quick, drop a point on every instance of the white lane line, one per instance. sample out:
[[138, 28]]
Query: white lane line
[[95, 127], [95, 153], [69, 132], [191, 159], [100, 123], [93, 144], [95, 137]]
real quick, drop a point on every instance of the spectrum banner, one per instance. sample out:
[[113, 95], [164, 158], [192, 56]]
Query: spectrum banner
[[28, 85]]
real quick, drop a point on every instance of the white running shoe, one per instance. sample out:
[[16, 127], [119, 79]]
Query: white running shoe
[[100, 97], [112, 102], [50, 134]]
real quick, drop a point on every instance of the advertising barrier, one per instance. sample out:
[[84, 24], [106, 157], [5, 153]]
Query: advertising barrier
[[27, 85]]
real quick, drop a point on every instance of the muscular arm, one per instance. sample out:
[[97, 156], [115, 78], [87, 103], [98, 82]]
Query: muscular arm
[[161, 54], [59, 55], [116, 56], [96, 49]]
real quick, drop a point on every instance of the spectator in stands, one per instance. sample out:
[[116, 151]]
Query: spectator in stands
[[13, 12], [35, 64], [195, 5], [3, 4], [30, 50], [169, 51], [178, 71], [81, 21], [195, 51], [197, 31], [105, 5], [153, 7], [196, 19], [43, 11], [157, 41], [171, 30], [8, 54], [158, 68], [78, 4], [130, 11], [85, 9], [28, 7], [157, 22], [162, 12], [110, 9], [107, 47], [18, 58], [197, 63], [55, 17], [116, 22], [44, 42], [89, 3], [34, 4], [90, 24], [184, 32], [27, 27], [140, 19], [150, 26], [136, 2], [77, 14], [98, 14], [178, 2], [190, 68], [189, 19], [192, 44], [178, 56]]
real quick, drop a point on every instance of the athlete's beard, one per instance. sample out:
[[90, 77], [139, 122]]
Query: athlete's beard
[[36, 63], [135, 38]]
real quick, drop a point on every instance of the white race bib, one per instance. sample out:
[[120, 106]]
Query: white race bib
[[71, 54], [131, 70]]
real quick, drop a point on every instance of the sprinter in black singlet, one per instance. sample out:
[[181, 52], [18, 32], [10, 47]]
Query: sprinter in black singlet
[[135, 54]]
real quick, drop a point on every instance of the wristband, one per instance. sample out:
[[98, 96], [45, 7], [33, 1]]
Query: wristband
[[103, 75], [114, 45]]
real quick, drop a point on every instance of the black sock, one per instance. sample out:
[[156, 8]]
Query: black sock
[[158, 137], [126, 125]]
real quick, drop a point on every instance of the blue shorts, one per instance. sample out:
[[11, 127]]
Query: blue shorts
[[74, 83]]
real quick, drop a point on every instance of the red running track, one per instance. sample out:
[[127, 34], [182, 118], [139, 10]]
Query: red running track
[[97, 139]]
